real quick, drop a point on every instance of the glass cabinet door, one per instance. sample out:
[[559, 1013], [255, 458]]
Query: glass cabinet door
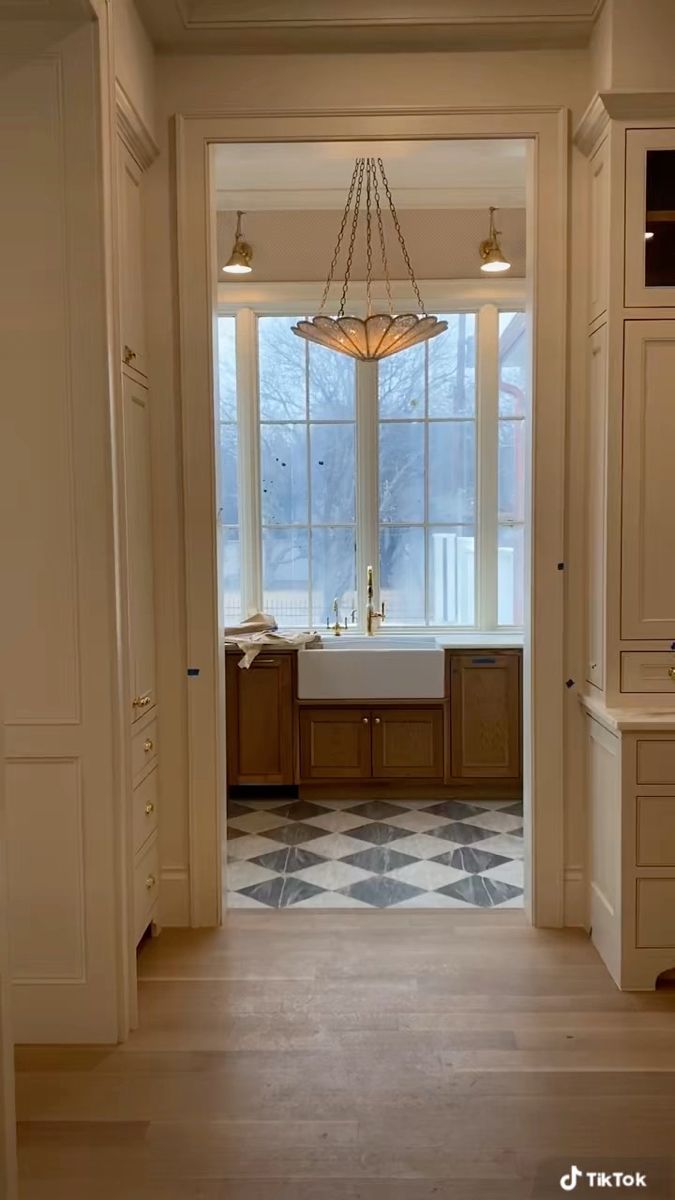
[[650, 218]]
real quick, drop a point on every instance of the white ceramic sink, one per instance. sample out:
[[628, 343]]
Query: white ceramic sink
[[387, 667]]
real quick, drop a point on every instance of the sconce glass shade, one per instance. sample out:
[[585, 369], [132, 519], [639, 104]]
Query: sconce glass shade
[[239, 262], [376, 337], [492, 258]]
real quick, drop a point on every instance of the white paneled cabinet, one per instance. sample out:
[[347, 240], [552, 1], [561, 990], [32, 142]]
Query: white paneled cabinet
[[597, 487], [648, 528], [598, 278], [139, 546], [650, 218], [132, 292]]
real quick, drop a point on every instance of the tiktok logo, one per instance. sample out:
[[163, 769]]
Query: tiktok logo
[[569, 1182]]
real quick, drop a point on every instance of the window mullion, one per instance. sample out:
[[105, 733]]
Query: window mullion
[[250, 524], [487, 442], [367, 487]]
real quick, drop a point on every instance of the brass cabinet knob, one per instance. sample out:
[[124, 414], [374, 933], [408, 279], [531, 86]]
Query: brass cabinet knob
[[141, 701], [149, 808], [150, 882], [378, 721], [148, 745], [365, 721], [671, 673], [129, 355]]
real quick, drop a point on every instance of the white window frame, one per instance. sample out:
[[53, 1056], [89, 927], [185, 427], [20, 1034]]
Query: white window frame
[[246, 302]]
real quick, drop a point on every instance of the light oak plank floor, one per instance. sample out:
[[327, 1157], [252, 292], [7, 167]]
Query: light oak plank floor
[[358, 1056]]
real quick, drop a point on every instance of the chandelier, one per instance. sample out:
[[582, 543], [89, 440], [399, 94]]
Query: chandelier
[[380, 334]]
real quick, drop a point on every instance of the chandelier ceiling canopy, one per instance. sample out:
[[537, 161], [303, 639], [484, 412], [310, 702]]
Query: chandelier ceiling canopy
[[379, 335]]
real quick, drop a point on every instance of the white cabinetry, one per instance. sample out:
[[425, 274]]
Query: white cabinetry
[[648, 528], [650, 218], [597, 485], [599, 232], [139, 546], [131, 291]]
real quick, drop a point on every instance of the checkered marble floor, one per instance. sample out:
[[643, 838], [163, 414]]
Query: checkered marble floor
[[374, 854]]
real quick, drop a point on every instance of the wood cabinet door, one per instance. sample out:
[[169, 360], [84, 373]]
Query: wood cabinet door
[[138, 494], [335, 743], [132, 297], [408, 743], [259, 720], [648, 531], [485, 716]]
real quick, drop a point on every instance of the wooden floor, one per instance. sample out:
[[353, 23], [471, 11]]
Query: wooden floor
[[358, 1056]]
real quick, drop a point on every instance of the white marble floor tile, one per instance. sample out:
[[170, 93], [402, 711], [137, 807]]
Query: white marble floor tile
[[432, 900], [249, 846], [420, 845], [416, 821], [331, 900], [241, 874], [335, 845], [508, 872], [514, 902], [335, 821], [239, 900], [500, 822], [333, 875], [427, 875], [503, 843]]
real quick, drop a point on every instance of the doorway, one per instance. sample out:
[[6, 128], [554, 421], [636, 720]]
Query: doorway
[[542, 652]]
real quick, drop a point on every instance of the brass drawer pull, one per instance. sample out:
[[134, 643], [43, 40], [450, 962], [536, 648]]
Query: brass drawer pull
[[141, 701], [150, 882], [148, 745], [264, 662], [129, 355], [149, 808]]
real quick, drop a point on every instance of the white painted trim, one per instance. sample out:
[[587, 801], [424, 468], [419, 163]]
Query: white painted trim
[[133, 130], [460, 293], [487, 440], [333, 200], [547, 128], [248, 408]]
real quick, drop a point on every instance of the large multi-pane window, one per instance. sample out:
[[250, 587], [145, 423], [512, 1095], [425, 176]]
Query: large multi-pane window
[[326, 465]]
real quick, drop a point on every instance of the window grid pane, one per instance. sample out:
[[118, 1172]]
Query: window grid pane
[[427, 481], [511, 473], [308, 477], [227, 516]]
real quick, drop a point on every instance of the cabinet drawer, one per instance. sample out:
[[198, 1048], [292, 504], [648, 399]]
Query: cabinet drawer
[[655, 761], [648, 671], [655, 831], [143, 748], [146, 887], [144, 806]]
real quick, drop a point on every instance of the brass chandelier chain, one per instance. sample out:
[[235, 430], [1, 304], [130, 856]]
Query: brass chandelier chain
[[380, 334]]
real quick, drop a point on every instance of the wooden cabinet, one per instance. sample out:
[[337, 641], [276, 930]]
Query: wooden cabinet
[[132, 297], [260, 720], [371, 743], [485, 716], [140, 583], [407, 743], [648, 530], [334, 743]]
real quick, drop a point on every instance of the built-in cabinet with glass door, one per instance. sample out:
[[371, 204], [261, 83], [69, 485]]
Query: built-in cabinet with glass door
[[630, 643]]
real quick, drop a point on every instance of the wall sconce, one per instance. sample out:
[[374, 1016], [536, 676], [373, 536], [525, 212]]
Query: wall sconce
[[490, 251], [239, 262]]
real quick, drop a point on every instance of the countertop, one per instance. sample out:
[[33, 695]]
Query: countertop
[[478, 640]]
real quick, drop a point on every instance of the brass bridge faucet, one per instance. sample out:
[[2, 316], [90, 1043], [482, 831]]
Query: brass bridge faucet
[[370, 611]]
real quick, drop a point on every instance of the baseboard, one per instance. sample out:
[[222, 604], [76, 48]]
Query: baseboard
[[174, 897], [575, 898]]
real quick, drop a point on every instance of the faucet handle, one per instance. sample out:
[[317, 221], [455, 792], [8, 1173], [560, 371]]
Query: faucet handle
[[382, 609]]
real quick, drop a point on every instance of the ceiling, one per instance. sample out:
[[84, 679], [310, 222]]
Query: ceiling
[[466, 174], [311, 26]]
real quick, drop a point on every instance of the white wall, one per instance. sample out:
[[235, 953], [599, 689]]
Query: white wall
[[189, 84], [134, 60]]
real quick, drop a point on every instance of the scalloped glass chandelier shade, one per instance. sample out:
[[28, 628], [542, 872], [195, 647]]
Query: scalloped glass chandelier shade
[[378, 335]]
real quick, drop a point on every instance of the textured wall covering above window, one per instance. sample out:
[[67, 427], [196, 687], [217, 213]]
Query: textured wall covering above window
[[443, 243]]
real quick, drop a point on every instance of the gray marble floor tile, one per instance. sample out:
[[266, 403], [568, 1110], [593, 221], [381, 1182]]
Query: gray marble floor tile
[[377, 833], [268, 893], [298, 810], [460, 832], [377, 810], [295, 890], [454, 810], [381, 890], [479, 890], [380, 859], [294, 834], [470, 859]]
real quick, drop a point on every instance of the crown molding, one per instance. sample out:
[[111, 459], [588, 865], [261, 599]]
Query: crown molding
[[333, 199], [210, 14], [621, 105], [133, 130]]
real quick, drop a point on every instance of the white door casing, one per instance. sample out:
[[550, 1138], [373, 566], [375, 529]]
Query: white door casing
[[543, 658]]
